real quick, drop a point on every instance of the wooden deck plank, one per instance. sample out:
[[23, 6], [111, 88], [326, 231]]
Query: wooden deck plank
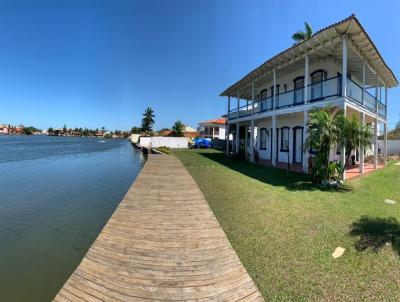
[[163, 243]]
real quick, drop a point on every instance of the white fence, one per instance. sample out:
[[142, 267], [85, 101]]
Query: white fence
[[164, 141], [393, 146]]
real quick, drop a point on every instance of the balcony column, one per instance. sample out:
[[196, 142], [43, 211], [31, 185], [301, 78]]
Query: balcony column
[[305, 81], [227, 126], [363, 85], [237, 125], [344, 66], [274, 90], [246, 139], [362, 118], [274, 141], [343, 149], [376, 94], [252, 123], [305, 119], [385, 144], [386, 101], [305, 133], [375, 143]]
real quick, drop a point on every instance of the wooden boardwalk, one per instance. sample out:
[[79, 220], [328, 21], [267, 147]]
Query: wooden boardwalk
[[163, 243]]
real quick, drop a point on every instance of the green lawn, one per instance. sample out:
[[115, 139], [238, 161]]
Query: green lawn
[[284, 229]]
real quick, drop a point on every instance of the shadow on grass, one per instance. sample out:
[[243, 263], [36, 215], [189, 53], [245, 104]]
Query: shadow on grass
[[375, 232], [270, 175]]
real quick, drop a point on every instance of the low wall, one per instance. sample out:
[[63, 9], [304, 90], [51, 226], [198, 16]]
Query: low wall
[[164, 141], [134, 138], [393, 146]]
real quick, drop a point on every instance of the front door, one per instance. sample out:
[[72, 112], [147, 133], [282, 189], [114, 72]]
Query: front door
[[298, 145]]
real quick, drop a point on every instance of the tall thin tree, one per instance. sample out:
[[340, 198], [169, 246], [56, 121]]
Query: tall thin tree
[[148, 120]]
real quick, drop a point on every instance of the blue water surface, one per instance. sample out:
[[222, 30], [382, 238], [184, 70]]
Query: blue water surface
[[56, 194]]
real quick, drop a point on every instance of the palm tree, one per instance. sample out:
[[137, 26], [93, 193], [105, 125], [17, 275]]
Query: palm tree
[[354, 134], [148, 120], [301, 36], [323, 133], [178, 128]]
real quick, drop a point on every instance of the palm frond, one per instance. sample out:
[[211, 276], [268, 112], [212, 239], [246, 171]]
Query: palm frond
[[309, 31], [298, 36]]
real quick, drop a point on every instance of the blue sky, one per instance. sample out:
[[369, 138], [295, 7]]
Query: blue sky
[[101, 63]]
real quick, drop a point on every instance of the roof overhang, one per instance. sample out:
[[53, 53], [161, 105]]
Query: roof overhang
[[324, 43]]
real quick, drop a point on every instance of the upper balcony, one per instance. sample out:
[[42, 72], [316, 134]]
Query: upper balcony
[[328, 89]]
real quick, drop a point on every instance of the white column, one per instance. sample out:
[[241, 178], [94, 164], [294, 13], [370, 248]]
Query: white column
[[227, 126], [385, 144], [237, 125], [386, 101], [376, 94], [363, 85], [344, 66], [305, 118], [375, 143], [305, 133], [362, 118], [274, 89], [343, 148], [306, 80], [246, 139], [274, 140], [252, 123]]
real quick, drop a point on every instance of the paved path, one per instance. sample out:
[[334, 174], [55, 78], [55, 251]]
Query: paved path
[[162, 243]]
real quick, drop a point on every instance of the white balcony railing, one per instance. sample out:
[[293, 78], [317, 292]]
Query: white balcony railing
[[316, 92]]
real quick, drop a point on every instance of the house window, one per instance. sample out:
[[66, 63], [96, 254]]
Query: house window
[[298, 90], [272, 90], [276, 96], [316, 84], [285, 139], [338, 149], [263, 94], [264, 136]]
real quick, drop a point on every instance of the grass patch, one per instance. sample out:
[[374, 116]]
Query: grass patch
[[285, 229], [164, 150]]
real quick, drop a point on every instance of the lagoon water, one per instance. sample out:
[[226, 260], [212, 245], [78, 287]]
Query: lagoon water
[[56, 194]]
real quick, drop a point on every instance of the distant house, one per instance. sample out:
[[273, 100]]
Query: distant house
[[58, 132], [190, 132], [19, 129], [165, 132], [214, 129], [4, 129]]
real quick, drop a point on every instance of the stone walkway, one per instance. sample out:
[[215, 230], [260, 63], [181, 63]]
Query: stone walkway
[[163, 243]]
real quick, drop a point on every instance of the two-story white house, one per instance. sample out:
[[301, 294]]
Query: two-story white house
[[214, 129], [338, 66]]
